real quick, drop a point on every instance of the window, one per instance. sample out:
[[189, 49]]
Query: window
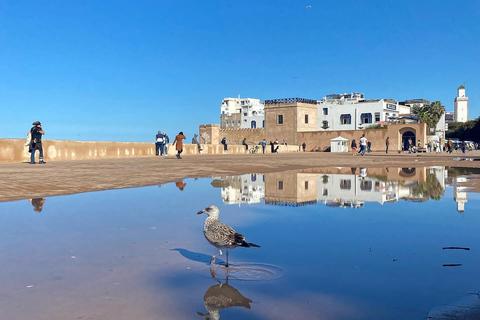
[[306, 185], [280, 185], [345, 119], [366, 118], [280, 119], [325, 192], [346, 184], [377, 116], [238, 122], [366, 185], [253, 124], [244, 114], [263, 123], [325, 111], [306, 119]]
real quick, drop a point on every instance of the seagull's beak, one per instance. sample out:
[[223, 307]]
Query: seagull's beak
[[201, 211]]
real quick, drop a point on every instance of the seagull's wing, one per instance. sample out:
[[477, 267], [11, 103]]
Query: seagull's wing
[[220, 233]]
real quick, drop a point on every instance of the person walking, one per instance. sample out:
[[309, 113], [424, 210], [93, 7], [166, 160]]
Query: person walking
[[264, 144], [450, 146], [353, 145], [304, 146], [166, 141], [224, 142], [387, 144], [195, 141], [369, 146], [363, 144], [36, 133], [244, 142], [159, 143], [179, 142]]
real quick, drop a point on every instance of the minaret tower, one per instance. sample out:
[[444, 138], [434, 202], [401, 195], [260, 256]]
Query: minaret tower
[[461, 105]]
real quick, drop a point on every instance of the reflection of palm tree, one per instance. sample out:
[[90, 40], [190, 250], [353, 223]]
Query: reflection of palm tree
[[222, 296], [430, 188]]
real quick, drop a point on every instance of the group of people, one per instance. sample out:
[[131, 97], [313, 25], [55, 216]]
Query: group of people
[[364, 146], [274, 145], [161, 144], [162, 141]]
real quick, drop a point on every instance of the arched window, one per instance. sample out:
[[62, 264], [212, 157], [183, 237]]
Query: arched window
[[253, 124], [366, 118], [345, 119]]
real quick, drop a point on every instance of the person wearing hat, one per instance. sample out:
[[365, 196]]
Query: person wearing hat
[[36, 142]]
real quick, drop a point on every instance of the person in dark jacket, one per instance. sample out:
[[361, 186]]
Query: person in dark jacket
[[36, 142]]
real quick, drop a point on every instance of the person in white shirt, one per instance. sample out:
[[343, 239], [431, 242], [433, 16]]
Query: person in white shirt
[[363, 144]]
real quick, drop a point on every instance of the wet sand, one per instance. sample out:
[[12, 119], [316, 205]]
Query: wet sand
[[25, 181]]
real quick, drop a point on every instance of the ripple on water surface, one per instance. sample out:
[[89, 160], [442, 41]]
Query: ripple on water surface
[[243, 272]]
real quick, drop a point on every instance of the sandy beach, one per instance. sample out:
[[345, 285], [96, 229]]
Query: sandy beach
[[24, 181]]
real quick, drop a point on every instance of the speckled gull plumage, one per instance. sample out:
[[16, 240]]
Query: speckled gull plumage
[[220, 235]]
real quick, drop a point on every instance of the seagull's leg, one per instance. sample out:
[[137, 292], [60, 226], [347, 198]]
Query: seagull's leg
[[212, 261], [227, 259]]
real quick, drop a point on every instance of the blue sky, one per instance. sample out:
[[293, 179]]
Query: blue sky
[[122, 70]]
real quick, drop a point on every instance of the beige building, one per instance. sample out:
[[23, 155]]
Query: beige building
[[285, 117]]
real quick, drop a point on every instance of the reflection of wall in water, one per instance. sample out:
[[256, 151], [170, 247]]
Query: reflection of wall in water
[[347, 187], [247, 188]]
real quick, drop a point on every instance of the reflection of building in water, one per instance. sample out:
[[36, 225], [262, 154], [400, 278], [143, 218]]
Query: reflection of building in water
[[460, 193], [341, 187], [290, 188], [247, 188], [338, 187]]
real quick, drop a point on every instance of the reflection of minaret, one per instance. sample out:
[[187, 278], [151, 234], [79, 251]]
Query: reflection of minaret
[[460, 194]]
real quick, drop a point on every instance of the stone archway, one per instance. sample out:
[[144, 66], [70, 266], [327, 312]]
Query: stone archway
[[407, 134]]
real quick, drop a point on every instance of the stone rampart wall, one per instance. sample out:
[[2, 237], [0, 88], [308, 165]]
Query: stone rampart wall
[[320, 140], [14, 150], [235, 136]]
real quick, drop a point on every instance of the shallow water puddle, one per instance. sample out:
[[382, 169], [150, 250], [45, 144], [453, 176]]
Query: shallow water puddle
[[336, 243]]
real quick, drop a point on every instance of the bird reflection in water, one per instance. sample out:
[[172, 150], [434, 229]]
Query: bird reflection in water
[[220, 235], [37, 204], [222, 296], [180, 185]]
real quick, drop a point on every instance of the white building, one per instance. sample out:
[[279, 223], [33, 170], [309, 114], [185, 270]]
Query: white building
[[241, 113], [352, 111], [461, 105], [246, 188]]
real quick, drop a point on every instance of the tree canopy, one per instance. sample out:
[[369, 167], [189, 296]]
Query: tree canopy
[[429, 114], [469, 130]]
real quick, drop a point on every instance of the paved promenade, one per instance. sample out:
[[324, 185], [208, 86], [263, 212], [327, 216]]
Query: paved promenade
[[24, 181]]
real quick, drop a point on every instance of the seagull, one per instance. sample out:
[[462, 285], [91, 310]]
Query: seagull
[[221, 235]]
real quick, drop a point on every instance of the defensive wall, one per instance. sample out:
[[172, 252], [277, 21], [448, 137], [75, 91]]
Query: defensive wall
[[212, 134], [320, 140], [14, 150]]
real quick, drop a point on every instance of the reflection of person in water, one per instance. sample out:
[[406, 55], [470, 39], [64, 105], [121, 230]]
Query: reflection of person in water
[[180, 185], [222, 296], [37, 203], [363, 172]]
